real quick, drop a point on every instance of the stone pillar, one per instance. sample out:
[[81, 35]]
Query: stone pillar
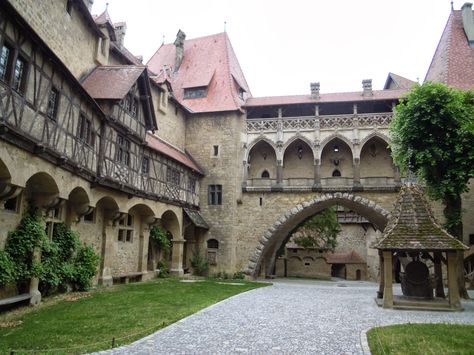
[[356, 179], [279, 172], [246, 173], [453, 288], [107, 249], [388, 287], [177, 257], [382, 279], [34, 282], [317, 174], [438, 275]]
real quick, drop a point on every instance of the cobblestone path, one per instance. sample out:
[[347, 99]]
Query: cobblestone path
[[290, 317]]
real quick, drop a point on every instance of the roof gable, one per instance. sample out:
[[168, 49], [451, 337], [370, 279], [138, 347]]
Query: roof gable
[[395, 81], [207, 61], [453, 61]]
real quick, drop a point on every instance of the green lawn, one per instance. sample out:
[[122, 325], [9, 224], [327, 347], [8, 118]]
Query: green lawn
[[76, 324], [422, 339]]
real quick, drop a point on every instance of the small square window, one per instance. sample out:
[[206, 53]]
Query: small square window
[[121, 235], [215, 150], [215, 194], [129, 235], [53, 102], [11, 204], [90, 217]]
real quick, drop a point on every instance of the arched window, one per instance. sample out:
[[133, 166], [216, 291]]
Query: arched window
[[265, 174], [336, 173], [212, 244]]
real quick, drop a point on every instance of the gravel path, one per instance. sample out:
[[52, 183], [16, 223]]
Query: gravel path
[[292, 316]]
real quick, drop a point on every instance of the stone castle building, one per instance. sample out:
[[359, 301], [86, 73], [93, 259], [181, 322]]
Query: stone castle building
[[111, 146]]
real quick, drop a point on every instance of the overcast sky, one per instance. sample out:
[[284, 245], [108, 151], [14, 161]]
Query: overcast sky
[[284, 45]]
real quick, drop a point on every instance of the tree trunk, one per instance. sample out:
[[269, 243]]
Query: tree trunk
[[453, 215]]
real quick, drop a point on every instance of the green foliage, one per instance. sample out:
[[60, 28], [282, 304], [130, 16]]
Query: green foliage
[[21, 243], [433, 130], [199, 264], [160, 235], [84, 267], [320, 231], [7, 269], [163, 269], [239, 275]]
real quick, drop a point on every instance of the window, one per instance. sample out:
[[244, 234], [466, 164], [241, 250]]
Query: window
[[19, 75], [336, 173], [215, 194], [53, 217], [172, 176], [192, 185], [195, 93], [130, 104], [53, 102], [145, 166], [471, 239], [4, 62], [265, 174], [90, 217], [125, 232], [11, 204], [212, 244], [215, 150], [84, 130], [123, 150]]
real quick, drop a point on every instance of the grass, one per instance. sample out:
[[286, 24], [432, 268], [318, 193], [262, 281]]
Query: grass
[[85, 322], [422, 339]]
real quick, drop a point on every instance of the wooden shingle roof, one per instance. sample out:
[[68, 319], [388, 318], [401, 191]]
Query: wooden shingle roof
[[413, 226]]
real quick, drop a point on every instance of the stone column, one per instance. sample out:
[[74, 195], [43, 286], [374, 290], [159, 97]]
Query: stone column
[[107, 249], [279, 172], [356, 179], [453, 288], [388, 287], [177, 257], [317, 174]]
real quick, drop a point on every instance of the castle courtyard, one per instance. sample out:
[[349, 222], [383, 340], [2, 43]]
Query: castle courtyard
[[290, 317]]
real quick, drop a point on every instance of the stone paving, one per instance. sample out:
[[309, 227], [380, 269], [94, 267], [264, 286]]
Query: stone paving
[[292, 316]]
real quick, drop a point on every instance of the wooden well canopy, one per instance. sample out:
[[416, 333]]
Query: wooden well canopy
[[414, 237]]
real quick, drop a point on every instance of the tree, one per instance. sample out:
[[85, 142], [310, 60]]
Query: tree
[[433, 132], [320, 231]]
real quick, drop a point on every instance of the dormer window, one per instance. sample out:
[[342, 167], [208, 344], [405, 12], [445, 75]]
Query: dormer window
[[130, 104], [195, 93], [241, 93]]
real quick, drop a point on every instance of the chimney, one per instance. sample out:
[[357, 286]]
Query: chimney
[[468, 22], [367, 87], [120, 30], [179, 44], [315, 90]]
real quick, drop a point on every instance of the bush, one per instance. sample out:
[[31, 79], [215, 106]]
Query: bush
[[163, 269], [85, 266], [160, 235], [200, 264], [239, 275], [7, 269]]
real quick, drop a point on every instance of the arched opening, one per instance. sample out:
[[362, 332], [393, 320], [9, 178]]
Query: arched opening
[[212, 244], [336, 164], [79, 208], [298, 163], [262, 156], [263, 260], [358, 274], [376, 164], [41, 189], [170, 222], [212, 247], [143, 217]]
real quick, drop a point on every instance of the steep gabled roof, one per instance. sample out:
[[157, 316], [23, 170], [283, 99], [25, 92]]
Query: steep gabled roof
[[413, 226], [113, 82], [453, 61], [395, 81], [207, 61]]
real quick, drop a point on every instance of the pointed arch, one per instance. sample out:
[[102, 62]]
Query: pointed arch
[[374, 134], [298, 160], [258, 140], [296, 138], [339, 136]]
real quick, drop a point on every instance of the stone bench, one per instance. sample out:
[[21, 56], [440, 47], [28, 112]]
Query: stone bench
[[127, 278], [15, 299]]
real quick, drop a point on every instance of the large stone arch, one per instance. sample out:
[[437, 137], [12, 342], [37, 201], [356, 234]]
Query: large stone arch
[[274, 236]]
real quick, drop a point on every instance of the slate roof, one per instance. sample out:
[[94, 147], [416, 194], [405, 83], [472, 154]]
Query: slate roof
[[453, 61], [207, 61], [344, 258], [196, 218], [112, 82], [399, 82], [325, 98], [413, 226], [172, 152]]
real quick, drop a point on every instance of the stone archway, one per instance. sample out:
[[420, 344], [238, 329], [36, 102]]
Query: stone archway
[[271, 240]]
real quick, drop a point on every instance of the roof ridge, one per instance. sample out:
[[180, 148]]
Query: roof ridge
[[229, 71]]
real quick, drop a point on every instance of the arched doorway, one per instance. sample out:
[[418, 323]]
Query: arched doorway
[[263, 260]]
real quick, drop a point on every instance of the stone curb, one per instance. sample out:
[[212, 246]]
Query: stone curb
[[364, 342]]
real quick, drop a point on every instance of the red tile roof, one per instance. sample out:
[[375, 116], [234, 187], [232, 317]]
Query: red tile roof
[[207, 61], [112, 82], [453, 61], [164, 148], [399, 82], [324, 98], [344, 258]]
